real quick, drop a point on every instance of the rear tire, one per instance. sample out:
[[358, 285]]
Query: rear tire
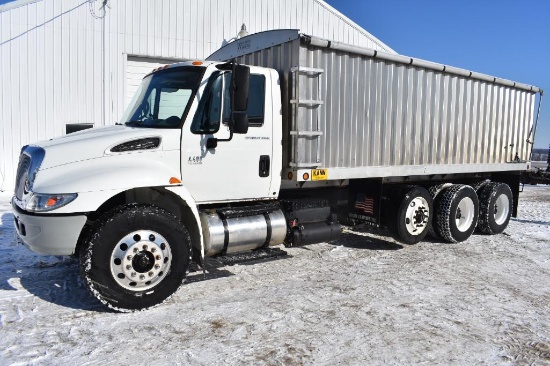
[[479, 185], [434, 193], [495, 208], [456, 213], [136, 257], [410, 215]]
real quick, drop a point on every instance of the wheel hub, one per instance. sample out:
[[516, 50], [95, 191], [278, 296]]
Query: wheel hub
[[502, 209], [416, 217], [465, 214], [140, 260], [143, 261]]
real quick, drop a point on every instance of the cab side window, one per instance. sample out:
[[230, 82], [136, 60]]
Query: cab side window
[[207, 119], [217, 104], [256, 100]]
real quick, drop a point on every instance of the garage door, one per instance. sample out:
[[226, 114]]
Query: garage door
[[137, 68]]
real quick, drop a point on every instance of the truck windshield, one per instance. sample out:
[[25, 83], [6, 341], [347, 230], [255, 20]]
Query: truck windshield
[[163, 98]]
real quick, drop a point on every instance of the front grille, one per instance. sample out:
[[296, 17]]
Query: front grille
[[29, 162], [22, 175]]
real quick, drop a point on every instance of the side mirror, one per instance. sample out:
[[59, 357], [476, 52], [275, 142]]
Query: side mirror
[[239, 89], [241, 122], [240, 79]]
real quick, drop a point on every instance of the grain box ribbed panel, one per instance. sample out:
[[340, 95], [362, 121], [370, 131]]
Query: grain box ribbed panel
[[280, 57], [385, 116]]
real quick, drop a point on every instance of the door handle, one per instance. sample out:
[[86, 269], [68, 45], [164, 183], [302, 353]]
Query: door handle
[[264, 166]]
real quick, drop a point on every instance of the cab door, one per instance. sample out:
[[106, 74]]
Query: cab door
[[240, 169]]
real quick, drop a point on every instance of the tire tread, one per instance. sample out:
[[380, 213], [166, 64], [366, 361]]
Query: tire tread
[[486, 196], [443, 212], [100, 291]]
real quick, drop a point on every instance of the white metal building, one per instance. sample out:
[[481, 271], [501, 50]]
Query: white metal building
[[66, 62]]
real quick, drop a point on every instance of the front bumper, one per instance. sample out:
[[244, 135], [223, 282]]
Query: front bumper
[[46, 233]]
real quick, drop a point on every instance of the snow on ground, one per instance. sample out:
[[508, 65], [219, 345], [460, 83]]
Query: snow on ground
[[363, 299]]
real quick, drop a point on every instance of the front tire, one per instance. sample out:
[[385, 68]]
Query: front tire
[[136, 257]]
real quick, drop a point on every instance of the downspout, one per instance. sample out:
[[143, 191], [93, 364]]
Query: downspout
[[103, 68]]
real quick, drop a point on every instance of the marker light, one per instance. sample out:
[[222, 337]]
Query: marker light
[[174, 180], [305, 176], [196, 63]]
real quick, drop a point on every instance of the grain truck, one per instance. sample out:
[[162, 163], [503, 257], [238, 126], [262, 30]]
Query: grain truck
[[278, 137]]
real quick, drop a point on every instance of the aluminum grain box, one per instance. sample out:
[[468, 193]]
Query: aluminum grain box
[[363, 113]]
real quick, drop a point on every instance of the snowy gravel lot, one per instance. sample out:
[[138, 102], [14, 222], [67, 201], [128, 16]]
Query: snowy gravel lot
[[363, 299]]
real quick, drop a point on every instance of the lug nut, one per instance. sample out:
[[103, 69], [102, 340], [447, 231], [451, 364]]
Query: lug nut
[[151, 274], [133, 274], [157, 266], [153, 249], [129, 257], [157, 257], [141, 277], [145, 247], [128, 267], [135, 250]]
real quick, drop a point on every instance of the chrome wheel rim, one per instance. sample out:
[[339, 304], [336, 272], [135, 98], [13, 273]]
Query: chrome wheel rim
[[140, 260], [417, 215], [501, 209], [465, 214]]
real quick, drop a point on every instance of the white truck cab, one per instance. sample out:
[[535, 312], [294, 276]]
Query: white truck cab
[[154, 147], [158, 156]]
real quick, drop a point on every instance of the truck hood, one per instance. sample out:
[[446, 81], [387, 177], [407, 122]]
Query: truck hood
[[97, 142]]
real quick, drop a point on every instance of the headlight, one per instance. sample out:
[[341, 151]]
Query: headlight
[[46, 202]]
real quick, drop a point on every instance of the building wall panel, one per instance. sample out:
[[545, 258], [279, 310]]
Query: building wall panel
[[71, 68]]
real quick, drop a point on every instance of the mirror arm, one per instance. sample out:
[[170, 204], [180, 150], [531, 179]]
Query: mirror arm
[[227, 139]]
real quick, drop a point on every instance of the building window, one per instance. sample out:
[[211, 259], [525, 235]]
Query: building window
[[75, 127]]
